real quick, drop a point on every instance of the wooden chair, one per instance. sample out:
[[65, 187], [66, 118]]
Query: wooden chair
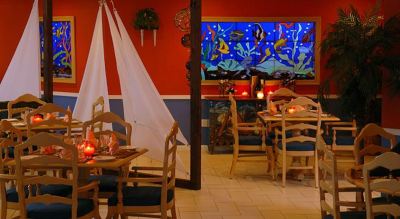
[[26, 98], [40, 205], [47, 123], [141, 200], [9, 137], [249, 138], [340, 137], [329, 185], [109, 117], [275, 102], [388, 185], [108, 179], [364, 146], [98, 109], [299, 139]]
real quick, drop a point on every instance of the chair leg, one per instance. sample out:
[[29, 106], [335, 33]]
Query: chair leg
[[283, 170], [3, 209], [316, 170], [173, 211], [111, 213], [234, 161], [271, 162]]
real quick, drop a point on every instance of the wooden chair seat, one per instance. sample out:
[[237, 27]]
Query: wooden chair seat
[[63, 211], [141, 196], [58, 190], [298, 146]]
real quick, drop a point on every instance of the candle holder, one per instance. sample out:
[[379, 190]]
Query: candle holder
[[88, 149]]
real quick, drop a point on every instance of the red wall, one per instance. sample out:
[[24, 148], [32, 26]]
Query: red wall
[[165, 62], [390, 104]]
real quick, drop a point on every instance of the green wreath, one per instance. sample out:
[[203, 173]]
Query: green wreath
[[147, 19]]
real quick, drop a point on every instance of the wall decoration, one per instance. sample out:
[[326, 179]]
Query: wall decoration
[[63, 49], [238, 48], [147, 19]]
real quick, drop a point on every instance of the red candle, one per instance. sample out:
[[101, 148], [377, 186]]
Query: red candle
[[88, 149], [37, 118], [244, 93]]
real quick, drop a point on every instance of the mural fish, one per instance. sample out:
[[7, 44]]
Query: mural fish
[[212, 32], [259, 34], [267, 54], [236, 35], [279, 44], [223, 47], [214, 57], [307, 36]]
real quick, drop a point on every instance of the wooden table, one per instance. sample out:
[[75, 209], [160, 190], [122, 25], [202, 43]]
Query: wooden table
[[266, 117], [21, 125], [84, 167]]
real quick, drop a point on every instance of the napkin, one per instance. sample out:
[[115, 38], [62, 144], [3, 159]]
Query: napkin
[[273, 109], [90, 137], [113, 145]]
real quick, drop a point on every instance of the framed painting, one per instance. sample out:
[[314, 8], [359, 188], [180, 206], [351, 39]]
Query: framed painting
[[63, 48], [271, 48]]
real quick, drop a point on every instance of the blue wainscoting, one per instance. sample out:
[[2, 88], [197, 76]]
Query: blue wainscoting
[[180, 110]]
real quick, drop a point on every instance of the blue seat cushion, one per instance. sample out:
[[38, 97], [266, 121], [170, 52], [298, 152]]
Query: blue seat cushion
[[345, 140], [298, 146], [58, 210], [340, 140], [107, 183], [58, 190], [354, 215], [254, 140], [140, 196], [328, 139]]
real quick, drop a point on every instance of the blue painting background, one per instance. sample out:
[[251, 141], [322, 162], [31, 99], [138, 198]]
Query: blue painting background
[[271, 50]]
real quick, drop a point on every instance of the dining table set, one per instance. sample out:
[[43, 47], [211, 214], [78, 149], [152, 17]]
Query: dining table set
[[55, 166]]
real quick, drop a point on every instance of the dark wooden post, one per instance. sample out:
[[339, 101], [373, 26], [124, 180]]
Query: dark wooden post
[[195, 95], [48, 50]]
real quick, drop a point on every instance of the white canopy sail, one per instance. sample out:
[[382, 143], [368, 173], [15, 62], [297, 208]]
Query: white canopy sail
[[94, 82], [143, 106], [23, 73]]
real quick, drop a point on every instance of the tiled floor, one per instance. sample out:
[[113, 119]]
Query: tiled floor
[[250, 194]]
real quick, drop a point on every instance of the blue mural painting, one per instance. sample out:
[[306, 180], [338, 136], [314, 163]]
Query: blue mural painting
[[237, 50], [62, 48]]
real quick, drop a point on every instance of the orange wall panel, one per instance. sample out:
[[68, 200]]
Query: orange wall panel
[[165, 62]]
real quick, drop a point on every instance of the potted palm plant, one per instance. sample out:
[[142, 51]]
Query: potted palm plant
[[358, 54]]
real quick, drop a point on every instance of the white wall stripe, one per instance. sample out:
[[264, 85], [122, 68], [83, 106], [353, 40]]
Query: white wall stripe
[[393, 131], [171, 97]]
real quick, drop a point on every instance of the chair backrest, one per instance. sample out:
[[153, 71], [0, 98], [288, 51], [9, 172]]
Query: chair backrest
[[305, 108], [49, 109], [329, 184], [46, 162], [363, 146], [390, 186], [169, 163], [26, 98], [109, 117], [9, 136], [284, 92], [97, 109]]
